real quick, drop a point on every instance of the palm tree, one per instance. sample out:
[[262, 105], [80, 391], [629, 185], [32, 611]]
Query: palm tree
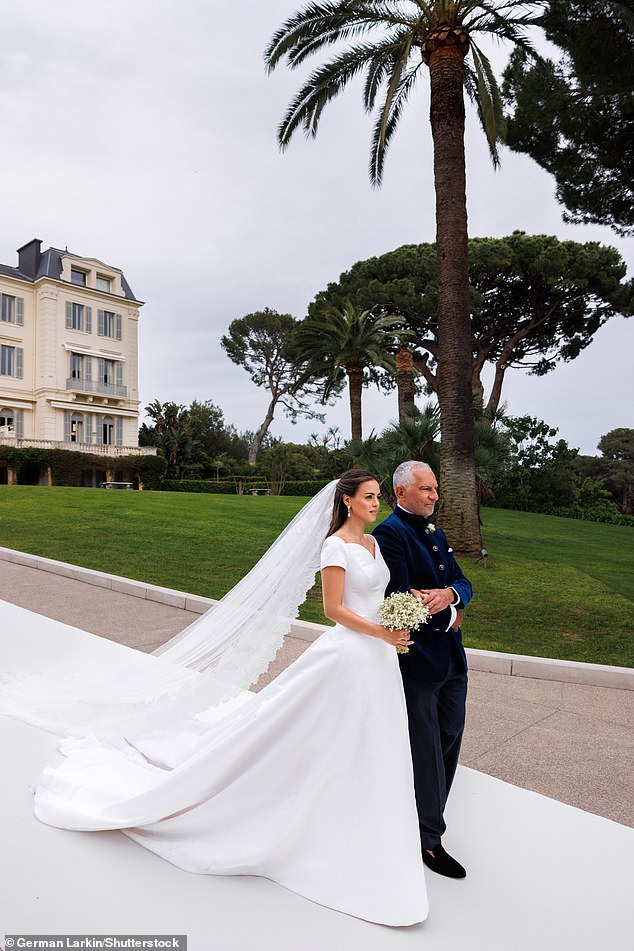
[[389, 41], [414, 436], [405, 380], [344, 343]]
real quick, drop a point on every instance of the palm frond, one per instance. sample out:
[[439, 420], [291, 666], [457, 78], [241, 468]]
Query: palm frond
[[317, 24], [382, 63], [387, 123], [484, 92], [381, 36], [321, 86], [322, 24], [511, 27]]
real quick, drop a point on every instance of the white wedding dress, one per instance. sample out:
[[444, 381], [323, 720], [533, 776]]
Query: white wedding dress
[[308, 783]]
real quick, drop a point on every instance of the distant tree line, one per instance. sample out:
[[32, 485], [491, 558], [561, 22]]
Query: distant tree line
[[520, 464]]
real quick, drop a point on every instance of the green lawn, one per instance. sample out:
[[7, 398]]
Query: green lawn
[[554, 587]]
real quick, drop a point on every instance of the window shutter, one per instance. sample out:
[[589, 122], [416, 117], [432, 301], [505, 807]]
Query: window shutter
[[67, 426], [100, 323], [117, 321], [19, 362], [19, 423], [118, 431], [102, 370], [88, 320], [19, 311], [87, 361], [119, 373], [99, 428], [88, 428], [69, 315]]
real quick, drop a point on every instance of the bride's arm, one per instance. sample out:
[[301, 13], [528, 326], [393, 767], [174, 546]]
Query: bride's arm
[[332, 580]]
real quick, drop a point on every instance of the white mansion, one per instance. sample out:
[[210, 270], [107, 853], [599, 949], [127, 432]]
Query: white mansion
[[68, 354]]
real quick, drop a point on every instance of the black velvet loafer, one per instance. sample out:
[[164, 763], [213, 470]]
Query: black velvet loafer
[[443, 863]]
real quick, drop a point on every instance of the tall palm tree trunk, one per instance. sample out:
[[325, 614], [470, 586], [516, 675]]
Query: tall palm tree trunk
[[445, 50], [404, 382], [355, 385]]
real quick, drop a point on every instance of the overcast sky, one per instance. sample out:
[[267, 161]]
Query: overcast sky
[[142, 133]]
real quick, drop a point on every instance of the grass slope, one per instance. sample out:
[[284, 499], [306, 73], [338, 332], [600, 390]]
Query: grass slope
[[553, 587]]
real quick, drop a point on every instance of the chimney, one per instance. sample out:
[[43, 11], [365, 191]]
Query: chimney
[[29, 258]]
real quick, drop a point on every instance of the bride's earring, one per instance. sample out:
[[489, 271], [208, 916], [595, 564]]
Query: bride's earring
[[349, 507]]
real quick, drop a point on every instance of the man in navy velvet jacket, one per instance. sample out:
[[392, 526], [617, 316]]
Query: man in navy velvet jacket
[[434, 670]]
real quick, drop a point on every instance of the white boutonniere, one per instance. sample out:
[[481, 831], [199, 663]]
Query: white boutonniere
[[430, 528]]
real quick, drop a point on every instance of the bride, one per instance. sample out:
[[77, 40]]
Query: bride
[[308, 782]]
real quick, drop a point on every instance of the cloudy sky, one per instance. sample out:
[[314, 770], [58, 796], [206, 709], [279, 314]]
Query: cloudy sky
[[142, 133]]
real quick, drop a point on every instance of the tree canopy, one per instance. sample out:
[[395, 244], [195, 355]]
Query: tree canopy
[[614, 469], [195, 440], [575, 115], [259, 343], [534, 301], [618, 445]]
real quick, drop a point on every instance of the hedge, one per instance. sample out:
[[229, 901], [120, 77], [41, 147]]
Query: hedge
[[574, 511], [67, 466], [588, 515], [250, 483]]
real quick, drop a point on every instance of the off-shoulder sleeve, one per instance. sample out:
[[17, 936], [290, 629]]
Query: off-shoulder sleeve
[[333, 552]]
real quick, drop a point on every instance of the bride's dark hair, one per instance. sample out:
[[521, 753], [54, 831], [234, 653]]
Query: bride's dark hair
[[348, 484]]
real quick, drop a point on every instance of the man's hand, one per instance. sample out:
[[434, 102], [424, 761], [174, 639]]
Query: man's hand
[[456, 624], [435, 599]]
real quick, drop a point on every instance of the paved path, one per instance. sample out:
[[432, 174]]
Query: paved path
[[571, 742]]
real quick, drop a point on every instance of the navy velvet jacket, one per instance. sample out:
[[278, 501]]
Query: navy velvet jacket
[[418, 558]]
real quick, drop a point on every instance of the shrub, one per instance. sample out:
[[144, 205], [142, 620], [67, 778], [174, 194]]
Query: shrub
[[250, 484]]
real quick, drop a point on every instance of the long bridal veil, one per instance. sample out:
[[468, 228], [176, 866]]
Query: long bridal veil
[[212, 661]]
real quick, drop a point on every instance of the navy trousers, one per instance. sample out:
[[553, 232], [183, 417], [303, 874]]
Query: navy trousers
[[436, 713]]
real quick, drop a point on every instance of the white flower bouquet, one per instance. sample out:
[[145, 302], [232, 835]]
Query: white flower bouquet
[[402, 611]]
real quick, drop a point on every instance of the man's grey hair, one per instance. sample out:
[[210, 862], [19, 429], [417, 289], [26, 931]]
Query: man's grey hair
[[404, 474]]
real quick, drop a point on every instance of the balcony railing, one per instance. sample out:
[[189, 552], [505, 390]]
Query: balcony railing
[[96, 386], [95, 449]]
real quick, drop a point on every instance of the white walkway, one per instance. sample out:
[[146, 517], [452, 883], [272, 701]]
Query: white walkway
[[542, 876]]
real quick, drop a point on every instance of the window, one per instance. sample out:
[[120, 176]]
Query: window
[[107, 372], [13, 420], [77, 277], [80, 377], [103, 283], [12, 309], [110, 379], [107, 430], [109, 324], [7, 308], [76, 427], [78, 317], [76, 366], [11, 361]]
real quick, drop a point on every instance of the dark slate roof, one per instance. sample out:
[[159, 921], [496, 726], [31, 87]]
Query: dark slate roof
[[51, 266], [13, 272]]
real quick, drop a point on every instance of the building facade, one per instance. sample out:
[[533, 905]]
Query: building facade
[[68, 354]]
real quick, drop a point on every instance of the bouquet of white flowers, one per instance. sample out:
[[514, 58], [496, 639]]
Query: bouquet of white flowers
[[400, 611]]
